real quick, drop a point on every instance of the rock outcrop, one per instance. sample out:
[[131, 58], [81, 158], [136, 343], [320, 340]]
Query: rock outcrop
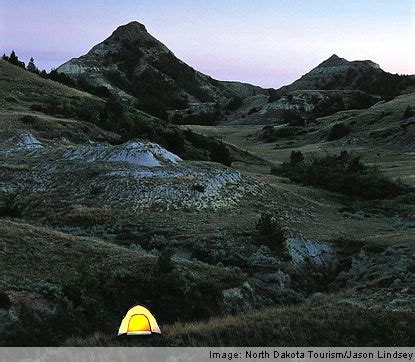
[[132, 63], [337, 73]]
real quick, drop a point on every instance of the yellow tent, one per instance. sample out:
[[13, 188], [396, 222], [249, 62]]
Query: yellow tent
[[138, 321]]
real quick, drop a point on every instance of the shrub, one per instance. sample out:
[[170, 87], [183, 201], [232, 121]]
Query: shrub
[[269, 232], [292, 117], [113, 110], [5, 302], [296, 157], [339, 131], [87, 111], [174, 141], [274, 95], [164, 262], [234, 104], [220, 153], [204, 118], [153, 106], [61, 78], [9, 209], [29, 120], [253, 110], [344, 174], [329, 105], [409, 112], [270, 134]]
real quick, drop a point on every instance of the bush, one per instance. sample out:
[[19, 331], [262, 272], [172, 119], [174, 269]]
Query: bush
[[344, 174], [234, 104], [220, 153], [204, 118], [153, 106], [339, 131], [409, 112], [113, 111], [270, 134], [29, 120], [269, 232], [296, 157], [274, 95], [292, 117], [61, 78], [329, 105], [164, 262]]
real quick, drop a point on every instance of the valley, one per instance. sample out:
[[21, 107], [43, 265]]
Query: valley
[[167, 189]]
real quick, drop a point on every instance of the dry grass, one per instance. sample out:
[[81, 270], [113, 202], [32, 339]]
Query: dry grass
[[314, 212], [82, 214], [324, 323]]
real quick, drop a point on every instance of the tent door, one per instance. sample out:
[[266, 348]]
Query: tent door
[[138, 324]]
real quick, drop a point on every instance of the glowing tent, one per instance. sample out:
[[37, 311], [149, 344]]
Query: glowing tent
[[138, 321]]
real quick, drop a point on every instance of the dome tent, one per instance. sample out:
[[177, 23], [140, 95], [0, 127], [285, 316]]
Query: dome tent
[[138, 321]]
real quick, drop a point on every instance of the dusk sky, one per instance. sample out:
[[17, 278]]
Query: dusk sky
[[264, 42]]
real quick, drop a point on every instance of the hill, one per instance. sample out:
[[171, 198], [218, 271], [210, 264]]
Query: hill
[[337, 73], [133, 63], [57, 111]]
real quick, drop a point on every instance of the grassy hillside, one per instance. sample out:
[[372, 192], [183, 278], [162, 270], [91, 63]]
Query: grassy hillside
[[92, 222], [60, 111], [324, 323], [65, 285]]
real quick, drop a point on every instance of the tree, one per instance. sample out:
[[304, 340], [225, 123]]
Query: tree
[[13, 59], [269, 232], [31, 67]]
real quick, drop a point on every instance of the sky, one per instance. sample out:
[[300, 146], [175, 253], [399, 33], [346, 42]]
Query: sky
[[264, 42]]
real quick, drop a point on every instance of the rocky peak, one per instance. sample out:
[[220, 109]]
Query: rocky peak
[[131, 26], [333, 61], [371, 64], [131, 32]]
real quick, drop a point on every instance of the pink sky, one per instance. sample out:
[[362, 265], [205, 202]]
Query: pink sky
[[265, 42]]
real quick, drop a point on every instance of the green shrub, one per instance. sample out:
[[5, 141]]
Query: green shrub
[[205, 118], [329, 105], [409, 112], [253, 110], [344, 174], [220, 153], [234, 104], [269, 232], [293, 117], [274, 95], [296, 157], [271, 134], [164, 262], [339, 131]]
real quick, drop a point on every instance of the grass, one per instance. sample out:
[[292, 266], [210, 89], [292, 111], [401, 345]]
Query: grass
[[344, 174], [65, 285], [325, 323], [77, 288]]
